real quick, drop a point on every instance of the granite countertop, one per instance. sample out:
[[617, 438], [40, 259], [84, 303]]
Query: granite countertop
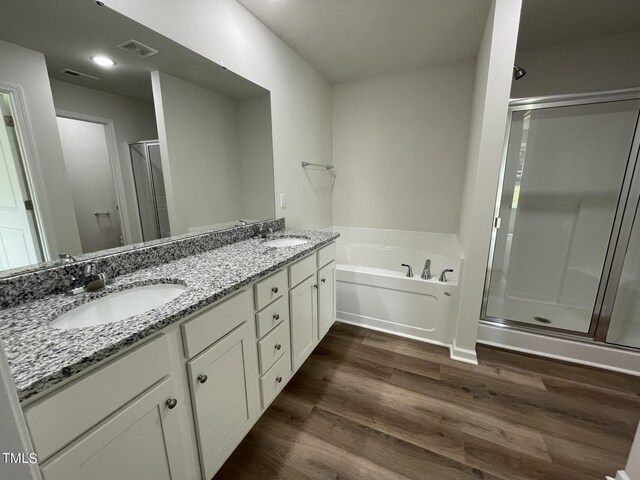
[[41, 356]]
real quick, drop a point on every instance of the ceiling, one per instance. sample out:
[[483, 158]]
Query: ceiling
[[68, 32], [545, 23], [348, 40]]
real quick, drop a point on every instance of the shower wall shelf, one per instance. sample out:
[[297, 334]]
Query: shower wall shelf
[[323, 165]]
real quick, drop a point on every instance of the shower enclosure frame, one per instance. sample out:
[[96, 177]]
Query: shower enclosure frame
[[152, 188], [628, 200]]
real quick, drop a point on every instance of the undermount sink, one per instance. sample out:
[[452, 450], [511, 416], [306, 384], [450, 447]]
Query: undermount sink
[[285, 242], [118, 306]]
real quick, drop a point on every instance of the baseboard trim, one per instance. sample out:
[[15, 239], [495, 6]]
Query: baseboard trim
[[463, 354], [589, 354], [621, 475]]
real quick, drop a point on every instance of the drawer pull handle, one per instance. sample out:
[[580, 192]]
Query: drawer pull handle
[[323, 280], [171, 403], [202, 378], [279, 379], [274, 289], [278, 346], [276, 316]]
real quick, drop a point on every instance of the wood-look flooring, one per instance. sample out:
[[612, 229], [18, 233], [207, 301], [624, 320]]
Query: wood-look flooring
[[368, 405]]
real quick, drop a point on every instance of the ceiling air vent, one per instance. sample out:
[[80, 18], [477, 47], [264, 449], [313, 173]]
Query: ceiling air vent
[[136, 48], [73, 73]]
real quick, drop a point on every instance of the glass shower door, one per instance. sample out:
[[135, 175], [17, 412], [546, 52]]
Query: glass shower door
[[560, 186]]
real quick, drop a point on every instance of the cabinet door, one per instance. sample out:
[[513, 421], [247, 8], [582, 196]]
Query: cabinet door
[[326, 298], [303, 318], [142, 440], [224, 392]]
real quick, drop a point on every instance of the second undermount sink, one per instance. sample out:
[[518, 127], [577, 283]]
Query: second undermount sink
[[118, 306], [285, 242]]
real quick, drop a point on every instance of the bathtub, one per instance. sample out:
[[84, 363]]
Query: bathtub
[[373, 291]]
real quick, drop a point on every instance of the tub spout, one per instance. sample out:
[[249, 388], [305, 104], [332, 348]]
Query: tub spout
[[409, 270], [426, 271], [443, 275]]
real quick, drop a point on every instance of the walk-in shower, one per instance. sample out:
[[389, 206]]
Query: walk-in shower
[[150, 192], [565, 256]]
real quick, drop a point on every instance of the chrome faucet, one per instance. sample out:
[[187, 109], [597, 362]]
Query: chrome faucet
[[443, 275], [66, 258], [426, 271], [92, 280], [264, 231], [409, 270]]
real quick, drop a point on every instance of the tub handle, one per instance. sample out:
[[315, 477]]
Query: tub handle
[[409, 270], [443, 275]]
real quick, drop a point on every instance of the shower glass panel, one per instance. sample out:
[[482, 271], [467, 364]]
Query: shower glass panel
[[561, 181], [624, 326], [150, 191]]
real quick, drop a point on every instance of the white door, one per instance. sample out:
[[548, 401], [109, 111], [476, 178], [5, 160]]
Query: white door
[[225, 396], [143, 440], [302, 315], [326, 298], [86, 158], [19, 244]]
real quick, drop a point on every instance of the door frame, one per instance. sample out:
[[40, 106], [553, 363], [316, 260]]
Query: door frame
[[114, 161], [616, 239], [31, 164]]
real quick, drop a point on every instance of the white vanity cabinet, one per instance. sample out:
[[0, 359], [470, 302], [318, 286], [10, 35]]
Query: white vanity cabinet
[[119, 421], [273, 335], [224, 393], [326, 282], [191, 392], [142, 440], [222, 377]]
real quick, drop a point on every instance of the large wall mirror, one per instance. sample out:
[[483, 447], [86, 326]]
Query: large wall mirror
[[95, 155]]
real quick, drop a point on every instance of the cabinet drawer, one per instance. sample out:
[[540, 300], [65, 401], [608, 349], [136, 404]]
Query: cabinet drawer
[[64, 415], [275, 379], [326, 254], [271, 347], [215, 323], [302, 270], [269, 289], [271, 316]]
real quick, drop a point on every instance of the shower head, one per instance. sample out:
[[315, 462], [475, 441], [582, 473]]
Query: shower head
[[518, 72]]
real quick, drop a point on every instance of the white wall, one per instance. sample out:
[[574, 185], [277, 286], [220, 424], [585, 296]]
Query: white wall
[[27, 69], [226, 33], [399, 147], [199, 150], [494, 67], [132, 121], [597, 64]]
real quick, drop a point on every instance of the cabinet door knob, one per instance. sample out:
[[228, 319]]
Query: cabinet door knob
[[276, 316], [202, 378], [279, 379], [171, 403], [323, 280], [274, 289], [278, 346], [315, 285]]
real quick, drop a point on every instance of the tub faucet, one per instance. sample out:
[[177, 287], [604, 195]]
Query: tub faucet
[[426, 271], [409, 270], [443, 275]]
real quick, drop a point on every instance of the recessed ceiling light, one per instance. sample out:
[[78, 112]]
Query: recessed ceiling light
[[103, 61]]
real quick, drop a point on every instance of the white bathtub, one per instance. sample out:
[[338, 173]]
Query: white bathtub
[[373, 290]]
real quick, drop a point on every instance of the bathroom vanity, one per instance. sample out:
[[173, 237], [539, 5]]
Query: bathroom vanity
[[157, 395]]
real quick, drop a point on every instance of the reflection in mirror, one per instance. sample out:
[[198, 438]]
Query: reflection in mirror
[[161, 142]]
